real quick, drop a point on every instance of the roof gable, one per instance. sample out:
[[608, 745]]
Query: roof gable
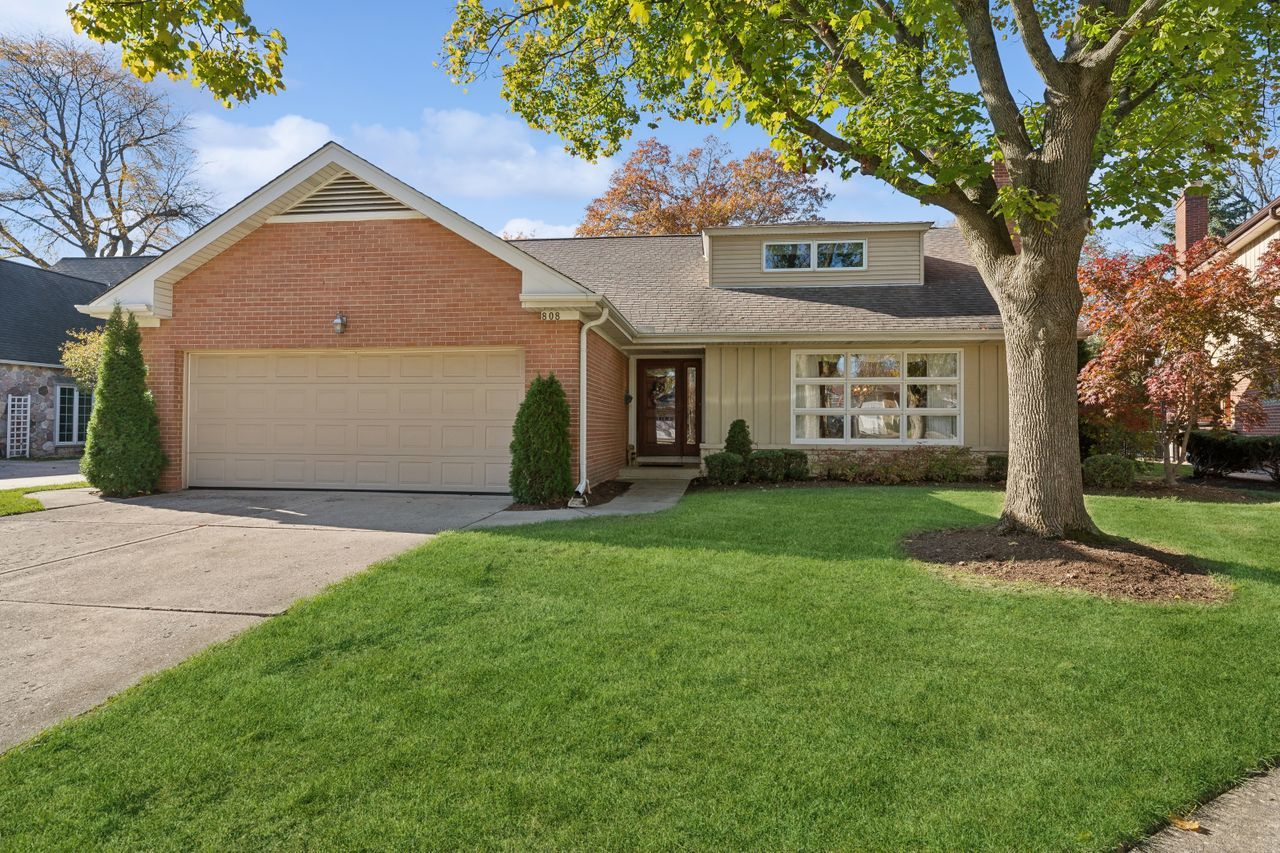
[[319, 186]]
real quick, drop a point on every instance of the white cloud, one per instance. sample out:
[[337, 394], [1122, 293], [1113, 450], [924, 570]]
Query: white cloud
[[521, 227], [462, 153], [236, 159]]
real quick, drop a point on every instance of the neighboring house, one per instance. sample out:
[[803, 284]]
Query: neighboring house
[[1246, 244], [39, 308], [339, 329]]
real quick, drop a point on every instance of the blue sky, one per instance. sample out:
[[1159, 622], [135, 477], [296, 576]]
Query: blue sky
[[368, 82]]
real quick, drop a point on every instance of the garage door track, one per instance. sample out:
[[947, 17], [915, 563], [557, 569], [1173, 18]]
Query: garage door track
[[97, 593]]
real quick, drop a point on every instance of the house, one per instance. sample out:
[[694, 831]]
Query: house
[[1246, 244], [36, 391], [339, 329]]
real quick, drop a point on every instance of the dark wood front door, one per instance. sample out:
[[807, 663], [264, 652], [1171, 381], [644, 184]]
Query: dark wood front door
[[670, 410]]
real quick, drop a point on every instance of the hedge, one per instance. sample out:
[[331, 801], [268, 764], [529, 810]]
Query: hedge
[[1219, 453], [726, 468]]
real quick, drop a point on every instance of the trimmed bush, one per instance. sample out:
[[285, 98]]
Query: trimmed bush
[[739, 439], [997, 467], [767, 466], [1269, 456], [122, 455], [797, 464], [1219, 453], [540, 451], [916, 465], [725, 468], [1107, 471]]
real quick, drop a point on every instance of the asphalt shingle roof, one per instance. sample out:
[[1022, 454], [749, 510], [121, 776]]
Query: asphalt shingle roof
[[108, 271], [660, 285], [39, 307]]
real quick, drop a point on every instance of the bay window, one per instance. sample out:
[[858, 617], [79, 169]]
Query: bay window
[[875, 397]]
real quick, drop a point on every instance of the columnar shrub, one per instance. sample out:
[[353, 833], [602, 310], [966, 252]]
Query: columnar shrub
[[725, 468], [122, 455], [1108, 471], [767, 466], [540, 449], [739, 439]]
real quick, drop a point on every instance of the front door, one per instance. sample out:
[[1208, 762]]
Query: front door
[[670, 422]]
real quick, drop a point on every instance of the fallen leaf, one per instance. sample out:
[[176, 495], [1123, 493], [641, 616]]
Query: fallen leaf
[[1184, 824]]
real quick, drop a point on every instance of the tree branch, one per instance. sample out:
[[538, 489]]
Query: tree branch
[[1038, 48], [1124, 34], [1010, 128]]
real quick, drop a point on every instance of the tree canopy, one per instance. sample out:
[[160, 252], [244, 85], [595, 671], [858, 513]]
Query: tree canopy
[[212, 43], [886, 87], [656, 193]]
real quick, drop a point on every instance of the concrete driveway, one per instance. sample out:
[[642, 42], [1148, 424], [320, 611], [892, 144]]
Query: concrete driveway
[[25, 473], [96, 593]]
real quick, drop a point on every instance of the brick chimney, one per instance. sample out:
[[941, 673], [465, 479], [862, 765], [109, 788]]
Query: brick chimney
[[1190, 219], [1000, 174]]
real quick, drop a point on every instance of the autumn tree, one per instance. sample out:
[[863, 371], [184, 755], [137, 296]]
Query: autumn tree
[[654, 193], [1132, 98], [1176, 344], [81, 352], [91, 160]]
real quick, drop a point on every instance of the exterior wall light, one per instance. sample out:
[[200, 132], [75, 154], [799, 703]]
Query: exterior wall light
[[340, 323]]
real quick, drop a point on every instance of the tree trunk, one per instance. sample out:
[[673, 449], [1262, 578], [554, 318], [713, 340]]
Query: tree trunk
[[1040, 301]]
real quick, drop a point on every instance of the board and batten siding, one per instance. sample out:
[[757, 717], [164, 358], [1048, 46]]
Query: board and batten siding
[[1250, 255], [754, 383], [893, 257]]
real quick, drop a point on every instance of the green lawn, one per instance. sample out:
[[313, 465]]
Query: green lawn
[[15, 502], [754, 669]]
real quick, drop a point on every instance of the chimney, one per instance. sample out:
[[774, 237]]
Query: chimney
[[1000, 174], [1190, 219]]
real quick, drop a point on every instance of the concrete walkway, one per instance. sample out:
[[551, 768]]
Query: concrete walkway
[[29, 473], [1245, 819], [97, 593], [644, 496]]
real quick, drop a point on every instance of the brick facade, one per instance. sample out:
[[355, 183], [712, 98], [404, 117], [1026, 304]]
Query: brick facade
[[606, 409], [401, 283]]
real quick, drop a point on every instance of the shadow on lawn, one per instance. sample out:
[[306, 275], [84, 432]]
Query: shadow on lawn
[[841, 524]]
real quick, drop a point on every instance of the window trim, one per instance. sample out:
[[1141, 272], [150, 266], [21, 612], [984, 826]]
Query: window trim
[[75, 416], [900, 382], [813, 256]]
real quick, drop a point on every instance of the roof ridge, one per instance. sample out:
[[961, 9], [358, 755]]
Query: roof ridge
[[45, 271]]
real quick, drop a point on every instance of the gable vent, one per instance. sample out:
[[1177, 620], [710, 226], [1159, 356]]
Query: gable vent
[[347, 194]]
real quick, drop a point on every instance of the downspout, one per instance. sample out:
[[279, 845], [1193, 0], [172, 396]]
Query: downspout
[[584, 484]]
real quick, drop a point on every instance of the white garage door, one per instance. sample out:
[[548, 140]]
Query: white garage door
[[424, 420]]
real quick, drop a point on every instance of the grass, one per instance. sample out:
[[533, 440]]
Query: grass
[[15, 502], [749, 670]]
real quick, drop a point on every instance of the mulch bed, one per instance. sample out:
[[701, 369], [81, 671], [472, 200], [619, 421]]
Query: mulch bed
[[1111, 568], [600, 495]]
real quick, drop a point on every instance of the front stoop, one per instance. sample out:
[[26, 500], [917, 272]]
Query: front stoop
[[637, 473]]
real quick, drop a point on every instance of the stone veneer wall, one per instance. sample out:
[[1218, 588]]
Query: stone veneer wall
[[40, 383]]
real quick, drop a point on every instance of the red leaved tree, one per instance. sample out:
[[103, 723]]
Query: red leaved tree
[[1176, 345], [655, 193]]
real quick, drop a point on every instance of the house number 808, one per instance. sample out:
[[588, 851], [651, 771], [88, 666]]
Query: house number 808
[[550, 315]]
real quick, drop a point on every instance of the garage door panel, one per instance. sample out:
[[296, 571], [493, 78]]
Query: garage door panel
[[438, 420]]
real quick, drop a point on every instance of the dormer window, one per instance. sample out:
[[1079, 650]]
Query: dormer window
[[813, 255]]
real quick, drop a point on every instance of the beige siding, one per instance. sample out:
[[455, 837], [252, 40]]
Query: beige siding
[[1250, 256], [893, 257], [754, 383]]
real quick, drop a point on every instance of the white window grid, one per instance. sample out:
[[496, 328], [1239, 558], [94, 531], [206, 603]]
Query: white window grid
[[79, 426], [847, 412], [813, 256]]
